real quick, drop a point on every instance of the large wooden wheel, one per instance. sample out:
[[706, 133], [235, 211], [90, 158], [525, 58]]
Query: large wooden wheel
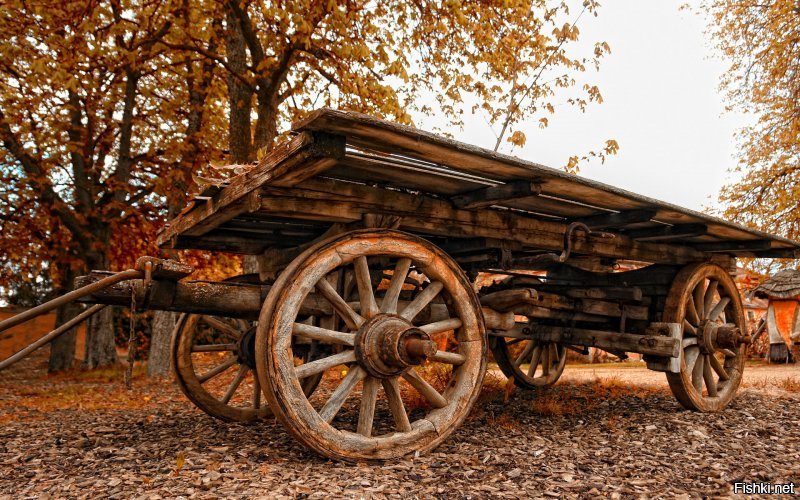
[[214, 364], [531, 363], [704, 300], [410, 360]]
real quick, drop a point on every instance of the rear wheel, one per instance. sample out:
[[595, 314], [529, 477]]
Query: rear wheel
[[214, 364], [532, 363]]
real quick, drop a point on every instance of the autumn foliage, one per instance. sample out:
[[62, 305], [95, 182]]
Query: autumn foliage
[[112, 110], [761, 41]]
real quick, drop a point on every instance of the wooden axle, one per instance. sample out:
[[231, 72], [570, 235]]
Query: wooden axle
[[657, 341]]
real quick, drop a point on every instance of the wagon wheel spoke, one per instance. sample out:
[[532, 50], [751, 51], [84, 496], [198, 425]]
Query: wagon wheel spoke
[[449, 358], [525, 353], [323, 334], [398, 409], [389, 303], [237, 381], [222, 326], [694, 363], [425, 389], [719, 308], [352, 319], [256, 393], [369, 307], [708, 377], [214, 348], [688, 328], [421, 301], [545, 361], [688, 341], [366, 412], [217, 370], [708, 298], [728, 353], [692, 316], [535, 357], [554, 357], [320, 365], [444, 325], [340, 394], [718, 368], [698, 297]]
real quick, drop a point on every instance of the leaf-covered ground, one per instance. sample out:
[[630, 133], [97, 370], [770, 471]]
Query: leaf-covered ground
[[84, 435]]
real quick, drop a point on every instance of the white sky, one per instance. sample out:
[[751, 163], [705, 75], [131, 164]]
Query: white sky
[[661, 103]]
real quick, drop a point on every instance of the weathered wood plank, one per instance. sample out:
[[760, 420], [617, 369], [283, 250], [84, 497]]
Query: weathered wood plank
[[617, 219], [376, 134], [291, 162], [734, 246], [326, 200], [656, 345], [494, 195], [668, 232]]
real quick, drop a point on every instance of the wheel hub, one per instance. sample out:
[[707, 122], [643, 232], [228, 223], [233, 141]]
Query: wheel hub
[[246, 349], [713, 337], [388, 345]]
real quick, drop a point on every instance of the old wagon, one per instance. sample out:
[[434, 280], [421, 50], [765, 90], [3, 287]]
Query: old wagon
[[370, 239]]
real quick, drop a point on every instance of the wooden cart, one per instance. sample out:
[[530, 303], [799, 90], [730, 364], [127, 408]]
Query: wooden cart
[[372, 241]]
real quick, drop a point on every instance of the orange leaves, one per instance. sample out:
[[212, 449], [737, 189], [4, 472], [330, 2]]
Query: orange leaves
[[759, 39]]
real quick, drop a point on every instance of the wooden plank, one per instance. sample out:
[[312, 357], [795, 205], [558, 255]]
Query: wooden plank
[[494, 195], [291, 162], [373, 133], [668, 232], [656, 345], [734, 246], [326, 200], [617, 219]]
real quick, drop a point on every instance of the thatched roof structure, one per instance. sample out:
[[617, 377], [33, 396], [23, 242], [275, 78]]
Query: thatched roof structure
[[784, 285]]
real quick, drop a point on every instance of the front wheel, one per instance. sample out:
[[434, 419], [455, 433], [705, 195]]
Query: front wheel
[[704, 300], [410, 352]]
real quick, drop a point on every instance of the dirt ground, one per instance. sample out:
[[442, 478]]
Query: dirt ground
[[611, 431]]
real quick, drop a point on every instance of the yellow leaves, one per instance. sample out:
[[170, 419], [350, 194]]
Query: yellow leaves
[[517, 138], [759, 40], [180, 460]]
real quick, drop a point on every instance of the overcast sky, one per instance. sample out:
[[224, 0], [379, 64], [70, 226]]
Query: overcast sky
[[661, 103]]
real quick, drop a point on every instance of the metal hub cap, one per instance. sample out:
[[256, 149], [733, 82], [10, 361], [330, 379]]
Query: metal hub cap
[[388, 345], [713, 337], [246, 349]]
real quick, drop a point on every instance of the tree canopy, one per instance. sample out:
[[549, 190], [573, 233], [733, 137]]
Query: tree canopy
[[110, 108], [762, 41]]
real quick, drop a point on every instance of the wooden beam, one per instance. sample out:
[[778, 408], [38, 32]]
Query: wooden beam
[[667, 232], [458, 246], [290, 163], [734, 246], [617, 219], [496, 195], [331, 201], [656, 343]]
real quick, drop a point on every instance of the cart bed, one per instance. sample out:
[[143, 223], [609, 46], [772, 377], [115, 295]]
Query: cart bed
[[340, 167]]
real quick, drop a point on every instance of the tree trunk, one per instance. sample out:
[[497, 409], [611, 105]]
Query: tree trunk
[[240, 96], [101, 349], [161, 343], [62, 349]]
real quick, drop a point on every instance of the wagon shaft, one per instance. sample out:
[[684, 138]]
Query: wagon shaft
[[236, 300]]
